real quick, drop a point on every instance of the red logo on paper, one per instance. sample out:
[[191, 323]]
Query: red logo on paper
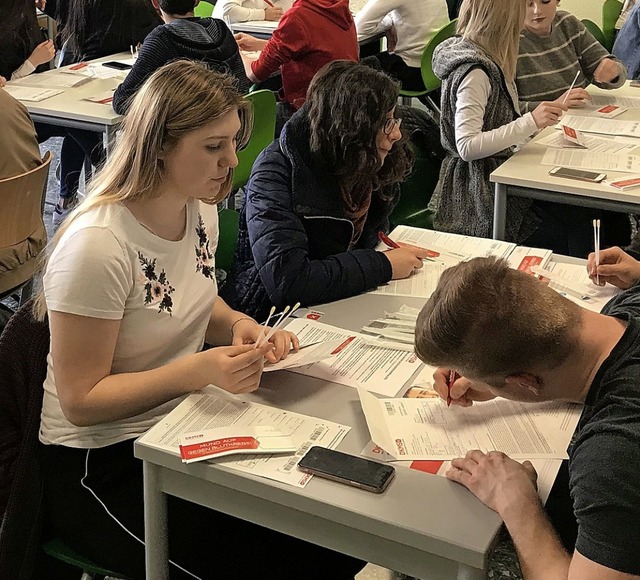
[[314, 315], [212, 448], [402, 450], [431, 466], [344, 345], [570, 132], [528, 262], [607, 109]]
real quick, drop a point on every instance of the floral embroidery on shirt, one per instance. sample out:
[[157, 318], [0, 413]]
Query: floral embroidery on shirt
[[204, 255], [157, 287]]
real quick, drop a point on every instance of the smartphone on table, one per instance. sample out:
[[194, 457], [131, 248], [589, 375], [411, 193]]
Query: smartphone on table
[[117, 65], [349, 469], [580, 174]]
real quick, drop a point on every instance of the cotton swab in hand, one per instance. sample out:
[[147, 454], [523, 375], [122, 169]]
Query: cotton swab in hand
[[566, 95], [266, 325], [283, 318], [596, 245]]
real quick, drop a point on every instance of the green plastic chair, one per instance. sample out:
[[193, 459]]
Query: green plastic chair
[[264, 128], [227, 238], [594, 29], [430, 80], [203, 9], [57, 549], [610, 12]]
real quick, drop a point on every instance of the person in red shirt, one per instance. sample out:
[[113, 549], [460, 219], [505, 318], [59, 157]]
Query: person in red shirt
[[311, 34]]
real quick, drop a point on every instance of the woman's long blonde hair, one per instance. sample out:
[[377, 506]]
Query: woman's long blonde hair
[[494, 25], [178, 98]]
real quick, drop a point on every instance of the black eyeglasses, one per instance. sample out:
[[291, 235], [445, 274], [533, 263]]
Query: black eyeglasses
[[390, 125]]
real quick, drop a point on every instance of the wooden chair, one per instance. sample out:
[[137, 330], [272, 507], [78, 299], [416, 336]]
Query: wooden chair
[[22, 203]]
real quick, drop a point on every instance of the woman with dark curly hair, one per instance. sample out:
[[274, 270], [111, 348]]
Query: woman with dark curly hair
[[319, 195]]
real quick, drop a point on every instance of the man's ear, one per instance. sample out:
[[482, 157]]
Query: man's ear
[[526, 381], [155, 4]]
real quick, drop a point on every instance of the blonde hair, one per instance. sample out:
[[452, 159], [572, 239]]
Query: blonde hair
[[494, 25], [177, 99], [490, 321]]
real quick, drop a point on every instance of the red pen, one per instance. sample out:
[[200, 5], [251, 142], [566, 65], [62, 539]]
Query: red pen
[[269, 3], [387, 241], [452, 378]]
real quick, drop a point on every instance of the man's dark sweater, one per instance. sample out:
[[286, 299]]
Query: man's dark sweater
[[202, 39]]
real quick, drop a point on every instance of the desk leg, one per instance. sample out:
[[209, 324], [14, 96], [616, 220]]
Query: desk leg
[[469, 573], [109, 138], [155, 525], [499, 211]]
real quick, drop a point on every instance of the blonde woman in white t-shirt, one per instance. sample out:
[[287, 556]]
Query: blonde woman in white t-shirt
[[131, 296]]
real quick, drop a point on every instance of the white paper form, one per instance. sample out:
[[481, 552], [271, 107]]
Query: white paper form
[[594, 144], [453, 249], [31, 94], [59, 79], [604, 126], [523, 258], [212, 408], [428, 429], [582, 159], [598, 101], [359, 363], [306, 356], [577, 275]]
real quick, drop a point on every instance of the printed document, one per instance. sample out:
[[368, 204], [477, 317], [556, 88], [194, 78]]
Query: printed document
[[598, 101], [582, 159], [306, 355], [212, 408], [604, 126], [53, 79], [359, 362], [32, 94], [424, 428], [593, 144]]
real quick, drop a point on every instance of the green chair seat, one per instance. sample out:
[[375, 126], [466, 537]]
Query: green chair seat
[[611, 10], [57, 549], [594, 29], [227, 238], [203, 9]]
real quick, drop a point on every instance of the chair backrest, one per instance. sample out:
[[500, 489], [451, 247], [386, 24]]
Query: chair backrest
[[203, 9], [227, 238], [264, 128], [430, 80], [610, 12], [24, 345], [594, 29], [21, 203]]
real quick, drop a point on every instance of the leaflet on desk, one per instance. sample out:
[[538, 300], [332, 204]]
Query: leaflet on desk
[[359, 361], [212, 408], [425, 428]]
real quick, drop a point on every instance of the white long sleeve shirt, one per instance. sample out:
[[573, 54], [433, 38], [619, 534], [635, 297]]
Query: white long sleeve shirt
[[415, 22], [471, 102], [25, 69], [244, 10]]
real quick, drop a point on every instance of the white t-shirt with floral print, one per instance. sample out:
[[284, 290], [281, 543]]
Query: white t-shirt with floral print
[[109, 266]]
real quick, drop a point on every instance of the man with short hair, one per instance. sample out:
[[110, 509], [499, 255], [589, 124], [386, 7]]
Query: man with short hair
[[508, 334], [183, 35]]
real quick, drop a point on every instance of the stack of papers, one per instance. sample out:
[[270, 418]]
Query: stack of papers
[[63, 79], [31, 94], [212, 408]]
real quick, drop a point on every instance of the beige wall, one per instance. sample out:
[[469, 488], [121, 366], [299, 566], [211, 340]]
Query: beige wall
[[591, 9]]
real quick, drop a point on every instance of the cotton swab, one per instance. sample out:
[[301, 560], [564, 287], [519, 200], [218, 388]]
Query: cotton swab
[[566, 95], [283, 319], [266, 325], [596, 245]]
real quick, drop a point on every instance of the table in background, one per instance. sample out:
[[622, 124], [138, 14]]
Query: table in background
[[423, 525], [70, 109], [523, 175]]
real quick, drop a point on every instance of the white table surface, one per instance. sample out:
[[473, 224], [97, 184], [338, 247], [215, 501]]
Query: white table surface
[[423, 525], [524, 175]]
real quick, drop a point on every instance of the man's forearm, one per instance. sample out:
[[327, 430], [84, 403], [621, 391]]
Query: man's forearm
[[541, 555]]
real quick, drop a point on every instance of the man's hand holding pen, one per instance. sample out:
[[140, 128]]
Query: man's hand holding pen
[[460, 391]]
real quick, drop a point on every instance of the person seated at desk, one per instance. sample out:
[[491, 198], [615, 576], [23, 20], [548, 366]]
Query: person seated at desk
[[481, 123], [509, 335], [233, 11], [410, 25], [131, 297], [616, 266], [319, 195], [554, 47], [208, 40], [19, 153], [23, 47], [311, 34], [627, 44]]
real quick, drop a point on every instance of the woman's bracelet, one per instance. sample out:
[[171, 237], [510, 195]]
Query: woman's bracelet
[[238, 320]]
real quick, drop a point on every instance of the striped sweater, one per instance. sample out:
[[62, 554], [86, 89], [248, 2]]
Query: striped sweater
[[547, 65]]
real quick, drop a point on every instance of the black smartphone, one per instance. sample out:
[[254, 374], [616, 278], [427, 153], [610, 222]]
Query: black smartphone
[[591, 176], [116, 64], [356, 471]]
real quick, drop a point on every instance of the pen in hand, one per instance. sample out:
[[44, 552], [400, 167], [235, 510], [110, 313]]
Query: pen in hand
[[452, 378], [387, 241]]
